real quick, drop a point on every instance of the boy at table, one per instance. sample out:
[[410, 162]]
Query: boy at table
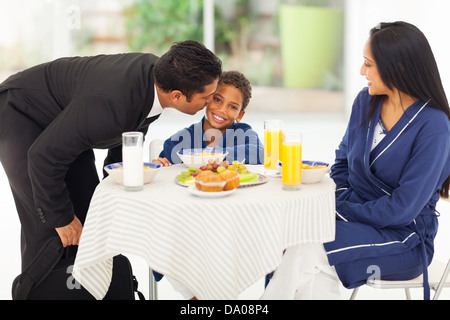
[[221, 127]]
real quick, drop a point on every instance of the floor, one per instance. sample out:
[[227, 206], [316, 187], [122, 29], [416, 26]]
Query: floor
[[321, 135]]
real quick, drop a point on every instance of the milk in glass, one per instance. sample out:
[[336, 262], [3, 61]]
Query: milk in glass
[[133, 161]]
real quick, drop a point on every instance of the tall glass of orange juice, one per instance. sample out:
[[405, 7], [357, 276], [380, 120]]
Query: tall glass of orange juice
[[272, 145], [291, 153]]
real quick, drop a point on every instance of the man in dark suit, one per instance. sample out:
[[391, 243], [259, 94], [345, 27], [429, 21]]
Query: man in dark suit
[[53, 115]]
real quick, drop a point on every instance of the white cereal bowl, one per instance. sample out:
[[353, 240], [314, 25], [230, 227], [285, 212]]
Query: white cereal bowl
[[196, 158], [115, 170], [310, 176]]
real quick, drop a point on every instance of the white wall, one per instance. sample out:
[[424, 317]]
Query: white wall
[[430, 16]]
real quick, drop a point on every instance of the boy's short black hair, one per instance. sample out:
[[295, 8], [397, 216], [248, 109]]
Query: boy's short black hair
[[238, 80], [188, 66]]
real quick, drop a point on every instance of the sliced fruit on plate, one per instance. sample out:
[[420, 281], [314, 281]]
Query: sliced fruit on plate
[[248, 177], [185, 177]]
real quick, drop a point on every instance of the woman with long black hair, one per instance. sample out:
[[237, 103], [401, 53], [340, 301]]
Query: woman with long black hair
[[391, 167]]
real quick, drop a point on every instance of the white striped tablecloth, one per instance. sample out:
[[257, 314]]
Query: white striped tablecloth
[[215, 247]]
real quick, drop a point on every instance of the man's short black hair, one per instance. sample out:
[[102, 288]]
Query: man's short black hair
[[188, 66]]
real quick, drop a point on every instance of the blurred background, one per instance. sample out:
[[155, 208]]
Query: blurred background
[[302, 57]]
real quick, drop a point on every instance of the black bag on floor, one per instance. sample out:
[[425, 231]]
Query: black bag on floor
[[49, 277]]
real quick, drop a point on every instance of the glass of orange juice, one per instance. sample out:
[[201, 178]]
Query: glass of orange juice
[[272, 145], [291, 153]]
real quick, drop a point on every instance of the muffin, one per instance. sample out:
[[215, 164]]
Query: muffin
[[209, 181], [232, 179]]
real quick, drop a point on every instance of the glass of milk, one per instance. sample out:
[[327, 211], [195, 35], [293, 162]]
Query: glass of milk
[[133, 161]]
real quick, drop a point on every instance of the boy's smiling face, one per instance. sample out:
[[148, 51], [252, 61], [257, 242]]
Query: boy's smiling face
[[224, 109]]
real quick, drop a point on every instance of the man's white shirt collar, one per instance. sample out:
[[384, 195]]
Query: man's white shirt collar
[[157, 108]]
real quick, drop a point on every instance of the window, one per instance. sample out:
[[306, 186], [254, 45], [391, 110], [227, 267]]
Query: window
[[267, 40]]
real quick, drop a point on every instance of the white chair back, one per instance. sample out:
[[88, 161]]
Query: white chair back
[[155, 148]]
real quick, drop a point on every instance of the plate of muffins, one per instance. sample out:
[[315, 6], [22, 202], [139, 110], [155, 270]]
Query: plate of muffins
[[205, 194], [212, 184]]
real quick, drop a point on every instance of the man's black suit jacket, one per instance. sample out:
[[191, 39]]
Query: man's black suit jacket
[[81, 103]]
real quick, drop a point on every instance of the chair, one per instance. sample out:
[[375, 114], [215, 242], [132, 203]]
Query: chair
[[437, 278], [155, 148], [152, 286], [437, 275]]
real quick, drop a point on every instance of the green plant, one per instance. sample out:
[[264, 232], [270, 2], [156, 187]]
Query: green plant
[[315, 3], [232, 32], [157, 24], [153, 25]]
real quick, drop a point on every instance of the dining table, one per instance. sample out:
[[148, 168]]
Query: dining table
[[216, 245]]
